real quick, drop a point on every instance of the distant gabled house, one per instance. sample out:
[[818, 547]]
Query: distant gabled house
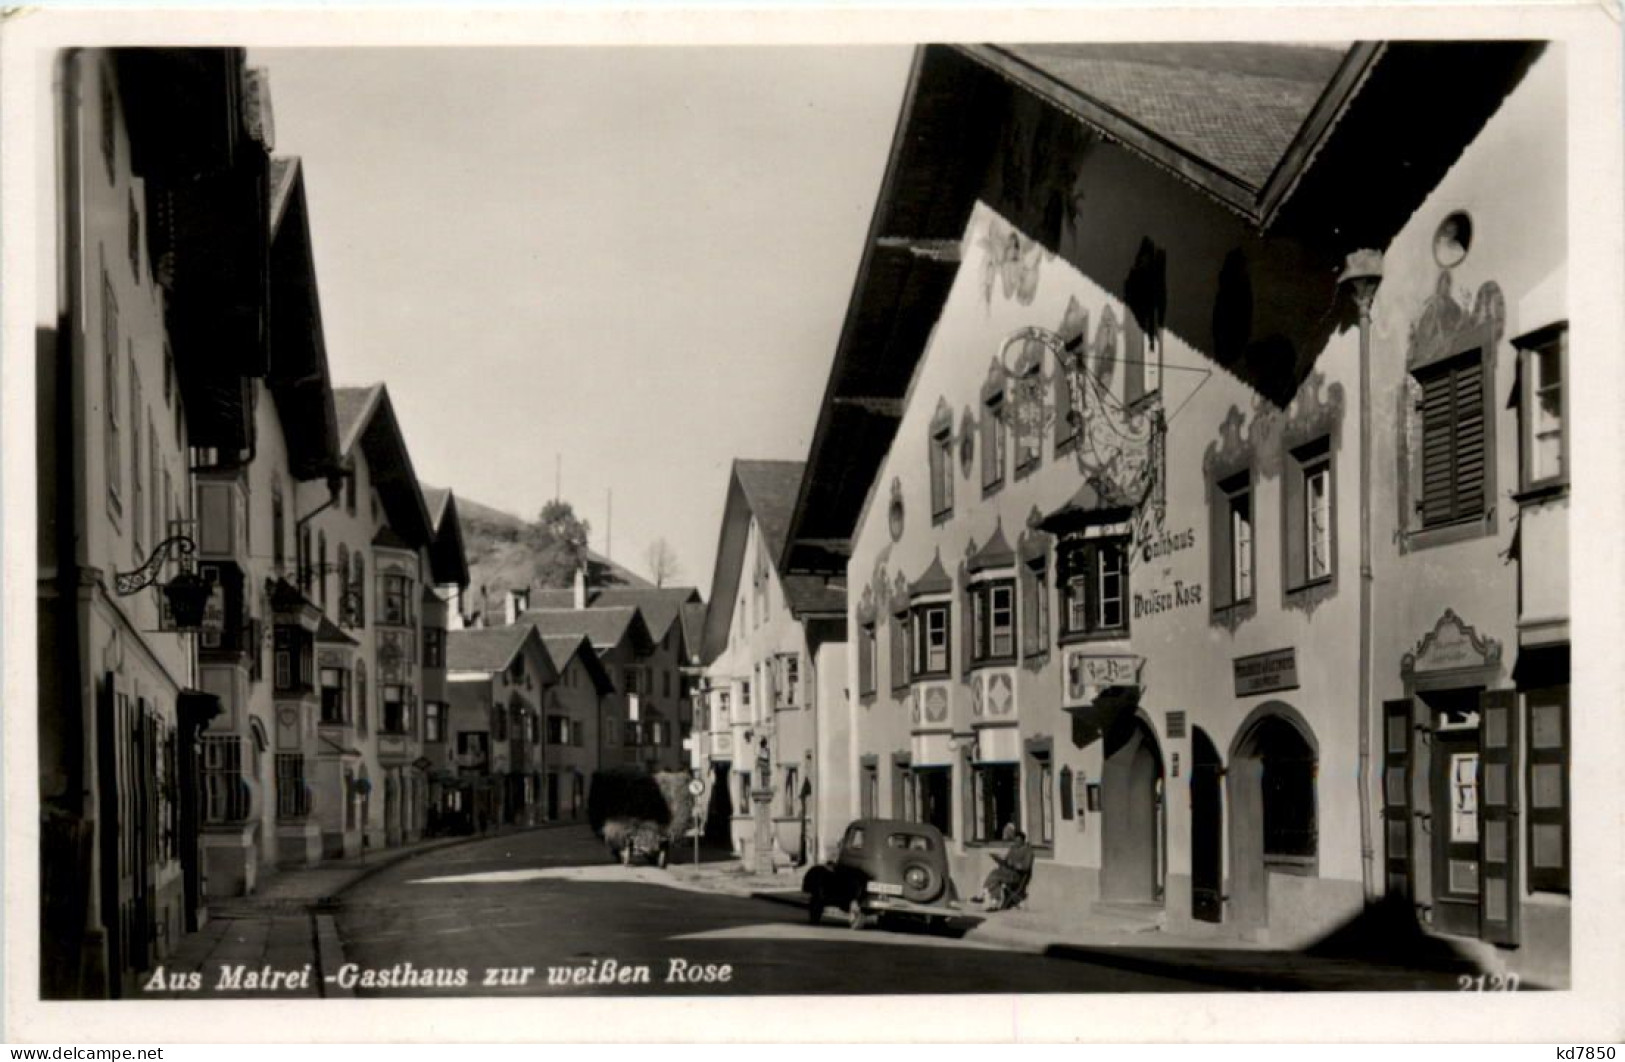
[[498, 680], [663, 687], [572, 725], [634, 729], [768, 645]]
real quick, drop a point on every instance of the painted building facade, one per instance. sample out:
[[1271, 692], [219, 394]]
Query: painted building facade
[[257, 808], [159, 333], [1104, 558], [763, 641]]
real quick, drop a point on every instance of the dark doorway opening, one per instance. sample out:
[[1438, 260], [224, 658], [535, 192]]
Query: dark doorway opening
[[1207, 829]]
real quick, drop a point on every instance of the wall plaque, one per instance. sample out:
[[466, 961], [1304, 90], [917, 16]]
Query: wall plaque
[[1266, 672]]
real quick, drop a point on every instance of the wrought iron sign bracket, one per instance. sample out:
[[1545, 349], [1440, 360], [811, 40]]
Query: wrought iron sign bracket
[[127, 583]]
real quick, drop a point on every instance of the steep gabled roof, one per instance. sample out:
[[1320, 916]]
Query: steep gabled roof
[[661, 606], [563, 648], [298, 379], [448, 557], [606, 628], [366, 418], [763, 493], [485, 648]]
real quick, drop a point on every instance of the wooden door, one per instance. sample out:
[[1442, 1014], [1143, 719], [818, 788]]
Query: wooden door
[[1207, 817], [1396, 797], [1456, 862], [1498, 787]]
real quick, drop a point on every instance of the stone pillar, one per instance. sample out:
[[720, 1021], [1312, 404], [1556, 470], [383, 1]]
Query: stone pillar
[[762, 818]]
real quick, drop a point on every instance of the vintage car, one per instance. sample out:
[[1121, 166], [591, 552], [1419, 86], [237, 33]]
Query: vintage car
[[885, 868]]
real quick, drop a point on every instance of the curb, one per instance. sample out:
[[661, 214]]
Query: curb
[[779, 897], [397, 858], [329, 956]]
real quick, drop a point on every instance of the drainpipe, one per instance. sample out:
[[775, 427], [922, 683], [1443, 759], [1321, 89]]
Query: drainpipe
[[1362, 273]]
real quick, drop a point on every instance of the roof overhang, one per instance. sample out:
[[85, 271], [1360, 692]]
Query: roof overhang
[[448, 557], [299, 379], [390, 464]]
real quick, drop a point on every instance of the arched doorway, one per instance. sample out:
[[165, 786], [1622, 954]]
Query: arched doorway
[[1207, 829], [1133, 831], [1273, 811]]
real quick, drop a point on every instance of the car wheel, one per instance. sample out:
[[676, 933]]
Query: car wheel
[[855, 918], [815, 906], [921, 883]]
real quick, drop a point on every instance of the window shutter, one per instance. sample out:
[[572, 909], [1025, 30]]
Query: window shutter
[[1064, 429], [1218, 518], [1548, 787], [967, 643], [1133, 359], [1295, 524], [1396, 795], [1453, 457], [1498, 803], [1469, 400], [899, 655]]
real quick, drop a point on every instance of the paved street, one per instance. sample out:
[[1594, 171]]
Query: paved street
[[551, 901]]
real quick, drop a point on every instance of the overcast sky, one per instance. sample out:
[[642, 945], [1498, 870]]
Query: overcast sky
[[637, 259]]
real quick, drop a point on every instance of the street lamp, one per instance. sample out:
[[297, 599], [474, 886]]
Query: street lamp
[[1362, 274], [188, 593]]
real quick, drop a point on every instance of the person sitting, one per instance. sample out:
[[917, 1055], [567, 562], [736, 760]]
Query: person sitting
[[1007, 882]]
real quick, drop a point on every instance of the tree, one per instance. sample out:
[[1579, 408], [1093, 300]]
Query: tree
[[558, 544], [663, 566]]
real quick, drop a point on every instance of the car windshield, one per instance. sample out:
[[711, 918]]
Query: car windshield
[[916, 841]]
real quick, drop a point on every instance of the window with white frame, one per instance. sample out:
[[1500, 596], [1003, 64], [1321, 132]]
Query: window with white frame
[[1232, 541], [1543, 409], [1093, 583], [1308, 505], [930, 626], [993, 620]]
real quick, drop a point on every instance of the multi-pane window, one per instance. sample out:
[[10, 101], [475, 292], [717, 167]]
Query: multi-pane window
[[358, 587], [942, 471], [631, 680], [787, 680], [434, 721], [1544, 406], [434, 647], [930, 630], [499, 723], [1034, 575], [995, 799], [1232, 530], [1094, 586], [1307, 498], [321, 569], [1453, 441], [866, 660], [396, 608], [277, 518], [397, 719], [363, 707], [335, 695], [993, 621]]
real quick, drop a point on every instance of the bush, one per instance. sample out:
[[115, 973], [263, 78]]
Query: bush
[[625, 793], [679, 801]]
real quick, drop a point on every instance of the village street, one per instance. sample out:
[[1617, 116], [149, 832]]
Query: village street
[[594, 910]]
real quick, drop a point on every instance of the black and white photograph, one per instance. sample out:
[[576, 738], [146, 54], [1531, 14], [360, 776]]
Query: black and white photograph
[[916, 515]]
